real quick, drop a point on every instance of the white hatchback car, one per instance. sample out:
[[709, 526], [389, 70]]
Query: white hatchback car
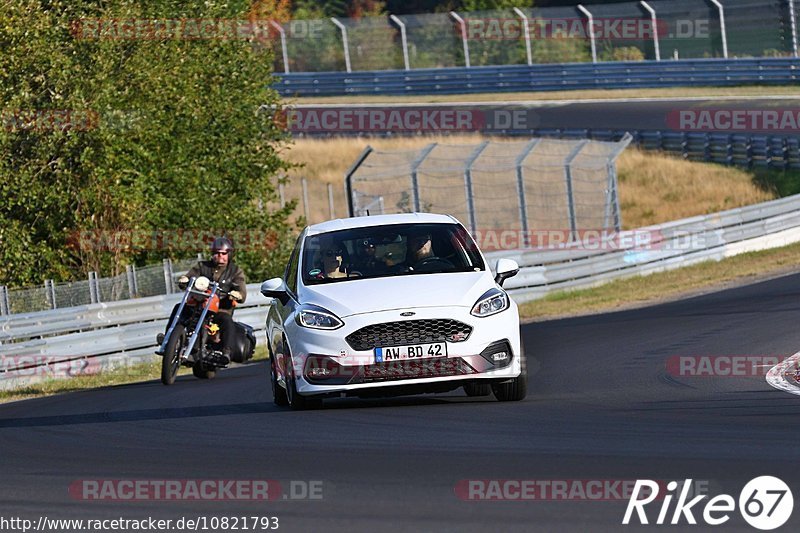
[[388, 305]]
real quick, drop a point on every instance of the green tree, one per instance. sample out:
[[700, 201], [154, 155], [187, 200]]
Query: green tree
[[175, 140]]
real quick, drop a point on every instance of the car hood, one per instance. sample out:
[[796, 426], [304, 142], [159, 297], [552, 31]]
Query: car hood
[[346, 298]]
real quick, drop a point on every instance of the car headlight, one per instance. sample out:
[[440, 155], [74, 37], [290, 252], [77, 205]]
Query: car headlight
[[492, 302], [317, 318]]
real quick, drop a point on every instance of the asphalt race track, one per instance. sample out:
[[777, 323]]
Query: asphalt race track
[[601, 407]]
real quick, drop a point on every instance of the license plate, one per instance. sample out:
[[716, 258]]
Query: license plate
[[416, 351]]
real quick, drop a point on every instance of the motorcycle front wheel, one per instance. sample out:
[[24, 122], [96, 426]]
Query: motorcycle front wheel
[[171, 359]]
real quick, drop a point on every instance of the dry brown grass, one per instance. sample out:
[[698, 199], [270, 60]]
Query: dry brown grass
[[653, 187], [656, 188]]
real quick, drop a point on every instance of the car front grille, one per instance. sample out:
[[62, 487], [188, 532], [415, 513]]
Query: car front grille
[[427, 368], [408, 332]]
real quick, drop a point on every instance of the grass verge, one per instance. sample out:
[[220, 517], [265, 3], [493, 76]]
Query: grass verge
[[597, 94], [120, 376], [664, 286]]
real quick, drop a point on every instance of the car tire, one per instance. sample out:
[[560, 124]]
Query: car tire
[[478, 389], [171, 360], [278, 393], [516, 389], [296, 401], [202, 373]]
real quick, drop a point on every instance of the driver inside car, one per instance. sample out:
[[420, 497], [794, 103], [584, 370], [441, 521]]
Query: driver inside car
[[419, 249]]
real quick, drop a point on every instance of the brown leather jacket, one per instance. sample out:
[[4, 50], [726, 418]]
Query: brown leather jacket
[[230, 278]]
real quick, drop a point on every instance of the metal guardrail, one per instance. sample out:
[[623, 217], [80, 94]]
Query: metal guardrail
[[69, 341], [549, 77]]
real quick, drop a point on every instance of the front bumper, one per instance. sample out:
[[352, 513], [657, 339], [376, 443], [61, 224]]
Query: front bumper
[[326, 365]]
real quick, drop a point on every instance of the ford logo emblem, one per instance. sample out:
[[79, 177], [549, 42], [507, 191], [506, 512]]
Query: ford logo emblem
[[408, 313]]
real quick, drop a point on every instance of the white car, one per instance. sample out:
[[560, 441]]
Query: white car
[[388, 305]]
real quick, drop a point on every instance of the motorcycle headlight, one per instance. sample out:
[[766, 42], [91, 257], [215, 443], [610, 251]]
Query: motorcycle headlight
[[318, 318], [492, 302]]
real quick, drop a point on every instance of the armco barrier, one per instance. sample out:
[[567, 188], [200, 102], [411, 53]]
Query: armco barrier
[[549, 77], [102, 336]]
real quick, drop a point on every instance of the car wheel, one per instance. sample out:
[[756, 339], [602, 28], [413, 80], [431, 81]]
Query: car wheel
[[171, 360], [516, 389], [478, 389], [202, 373], [278, 393], [296, 401]]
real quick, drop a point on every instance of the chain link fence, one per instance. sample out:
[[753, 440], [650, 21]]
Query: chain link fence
[[522, 186], [618, 31], [151, 280]]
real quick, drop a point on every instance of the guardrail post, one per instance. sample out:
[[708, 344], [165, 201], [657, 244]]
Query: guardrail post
[[130, 273], [283, 45], [785, 151], [403, 39], [685, 145], [527, 31], [729, 150], [464, 42], [414, 182], [4, 306], [468, 185], [707, 147], [306, 211], [722, 31], [50, 289], [168, 276], [345, 45], [573, 223], [748, 150], [768, 151], [331, 209], [590, 23], [94, 288], [523, 205], [348, 180], [654, 22], [794, 27]]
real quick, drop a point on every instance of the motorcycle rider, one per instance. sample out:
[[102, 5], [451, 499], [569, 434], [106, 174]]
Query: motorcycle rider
[[230, 278]]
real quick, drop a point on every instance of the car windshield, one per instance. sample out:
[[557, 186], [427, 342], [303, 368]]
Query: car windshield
[[396, 250]]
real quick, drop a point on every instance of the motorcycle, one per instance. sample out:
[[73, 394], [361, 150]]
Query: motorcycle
[[194, 340]]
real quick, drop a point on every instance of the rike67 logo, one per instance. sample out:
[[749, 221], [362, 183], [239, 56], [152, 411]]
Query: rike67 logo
[[765, 503]]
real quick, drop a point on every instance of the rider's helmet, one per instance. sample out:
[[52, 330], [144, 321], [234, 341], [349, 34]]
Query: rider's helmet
[[222, 244]]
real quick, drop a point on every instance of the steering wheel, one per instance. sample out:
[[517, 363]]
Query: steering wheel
[[433, 263]]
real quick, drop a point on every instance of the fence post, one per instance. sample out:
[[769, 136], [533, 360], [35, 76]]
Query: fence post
[[523, 205], [306, 211], [130, 273], [403, 39], [612, 195], [414, 182], [591, 31], [348, 179], [50, 289], [283, 45], [654, 22], [168, 276], [527, 31], [794, 27], [468, 185], [94, 289], [4, 306], [345, 44], [464, 42], [573, 223], [331, 209], [722, 31]]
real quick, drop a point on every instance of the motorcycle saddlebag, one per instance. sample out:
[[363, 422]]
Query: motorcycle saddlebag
[[245, 343]]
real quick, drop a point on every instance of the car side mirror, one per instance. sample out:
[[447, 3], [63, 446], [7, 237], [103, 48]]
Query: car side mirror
[[275, 288], [504, 269]]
